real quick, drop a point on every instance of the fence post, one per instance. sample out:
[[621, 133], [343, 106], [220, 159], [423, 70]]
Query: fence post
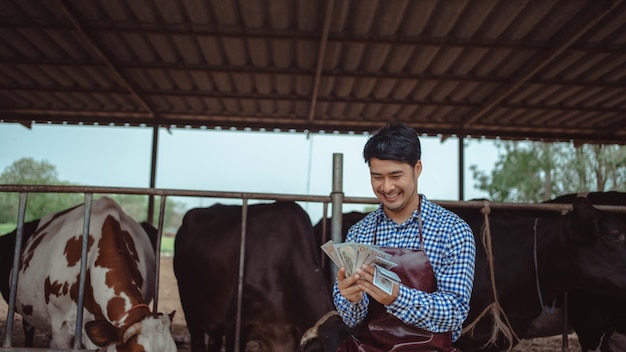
[[337, 202], [21, 214]]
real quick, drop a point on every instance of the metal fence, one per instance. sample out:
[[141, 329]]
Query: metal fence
[[336, 199]]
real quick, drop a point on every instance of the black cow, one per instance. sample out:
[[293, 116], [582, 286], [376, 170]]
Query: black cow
[[582, 250], [284, 290], [597, 318]]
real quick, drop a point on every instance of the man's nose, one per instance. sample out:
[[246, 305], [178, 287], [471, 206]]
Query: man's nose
[[387, 185]]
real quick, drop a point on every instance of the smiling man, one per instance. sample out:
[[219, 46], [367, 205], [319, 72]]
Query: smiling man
[[433, 247]]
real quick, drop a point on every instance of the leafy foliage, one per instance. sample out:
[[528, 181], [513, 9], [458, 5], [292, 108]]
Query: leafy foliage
[[29, 171], [535, 171]]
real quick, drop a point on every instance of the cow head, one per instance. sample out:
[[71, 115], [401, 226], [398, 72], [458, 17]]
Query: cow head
[[327, 334], [595, 243], [150, 334]]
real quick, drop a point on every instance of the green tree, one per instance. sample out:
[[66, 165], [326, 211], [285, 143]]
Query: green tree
[[28, 171], [536, 171]]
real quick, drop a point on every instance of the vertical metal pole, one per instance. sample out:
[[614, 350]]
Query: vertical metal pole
[[461, 168], [324, 259], [242, 254], [153, 166], [157, 255], [337, 202], [21, 214], [83, 269], [565, 346]]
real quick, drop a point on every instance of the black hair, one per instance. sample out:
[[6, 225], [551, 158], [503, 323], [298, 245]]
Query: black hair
[[394, 141]]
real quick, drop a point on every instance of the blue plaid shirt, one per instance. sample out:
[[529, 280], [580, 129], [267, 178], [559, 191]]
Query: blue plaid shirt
[[450, 247]]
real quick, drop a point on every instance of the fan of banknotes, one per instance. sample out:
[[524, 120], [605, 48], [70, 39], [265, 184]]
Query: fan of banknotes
[[352, 255]]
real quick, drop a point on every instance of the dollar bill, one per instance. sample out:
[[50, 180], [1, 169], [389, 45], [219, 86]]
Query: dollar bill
[[329, 249], [363, 252], [382, 262], [372, 254], [352, 255], [348, 254], [387, 273], [382, 282]]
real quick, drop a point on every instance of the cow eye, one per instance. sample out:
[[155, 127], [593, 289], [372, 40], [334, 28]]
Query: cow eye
[[615, 236]]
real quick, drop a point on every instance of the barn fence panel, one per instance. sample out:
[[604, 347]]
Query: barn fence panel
[[337, 199]]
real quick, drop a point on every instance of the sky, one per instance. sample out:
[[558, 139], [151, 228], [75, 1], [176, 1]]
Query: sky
[[233, 161]]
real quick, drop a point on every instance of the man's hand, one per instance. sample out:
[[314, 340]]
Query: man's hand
[[348, 286], [366, 273]]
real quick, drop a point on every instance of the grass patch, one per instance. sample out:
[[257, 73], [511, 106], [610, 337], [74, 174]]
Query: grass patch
[[167, 245], [6, 228]]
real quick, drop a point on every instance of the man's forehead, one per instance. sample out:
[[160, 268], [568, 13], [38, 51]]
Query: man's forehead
[[388, 167]]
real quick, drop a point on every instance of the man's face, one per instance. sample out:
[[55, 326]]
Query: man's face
[[395, 184]]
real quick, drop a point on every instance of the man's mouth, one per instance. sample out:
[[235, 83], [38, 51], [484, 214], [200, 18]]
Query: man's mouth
[[391, 196]]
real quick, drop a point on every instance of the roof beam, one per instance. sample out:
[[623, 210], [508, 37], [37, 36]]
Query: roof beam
[[98, 51], [249, 69], [157, 94], [399, 39], [320, 57], [301, 123], [567, 39]]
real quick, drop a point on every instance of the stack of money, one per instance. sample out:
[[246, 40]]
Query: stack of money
[[352, 255]]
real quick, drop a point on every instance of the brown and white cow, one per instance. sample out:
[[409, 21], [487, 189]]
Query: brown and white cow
[[119, 281]]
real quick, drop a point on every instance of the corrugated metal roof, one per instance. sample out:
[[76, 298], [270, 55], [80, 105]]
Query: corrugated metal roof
[[512, 69]]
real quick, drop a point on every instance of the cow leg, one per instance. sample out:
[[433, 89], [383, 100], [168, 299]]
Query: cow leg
[[197, 337], [613, 342], [216, 339], [29, 334]]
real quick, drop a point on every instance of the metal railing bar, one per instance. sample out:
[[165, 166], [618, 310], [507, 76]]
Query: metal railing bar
[[286, 197], [78, 332], [8, 338], [157, 250]]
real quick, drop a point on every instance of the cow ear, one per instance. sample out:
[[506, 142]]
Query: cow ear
[[101, 332], [582, 221]]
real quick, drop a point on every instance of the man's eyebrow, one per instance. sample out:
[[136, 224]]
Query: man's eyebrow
[[395, 172]]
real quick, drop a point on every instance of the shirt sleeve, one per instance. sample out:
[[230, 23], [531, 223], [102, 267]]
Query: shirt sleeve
[[352, 313], [445, 309]]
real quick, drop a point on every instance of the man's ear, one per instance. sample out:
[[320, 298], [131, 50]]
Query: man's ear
[[418, 168]]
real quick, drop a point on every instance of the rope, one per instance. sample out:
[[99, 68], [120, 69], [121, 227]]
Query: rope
[[536, 264], [499, 326], [126, 313]]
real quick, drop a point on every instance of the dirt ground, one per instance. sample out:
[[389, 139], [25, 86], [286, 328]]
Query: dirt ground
[[169, 301]]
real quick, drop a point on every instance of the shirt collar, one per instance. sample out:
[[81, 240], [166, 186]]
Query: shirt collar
[[424, 207]]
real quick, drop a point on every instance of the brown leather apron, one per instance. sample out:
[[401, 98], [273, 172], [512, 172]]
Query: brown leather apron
[[382, 331]]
